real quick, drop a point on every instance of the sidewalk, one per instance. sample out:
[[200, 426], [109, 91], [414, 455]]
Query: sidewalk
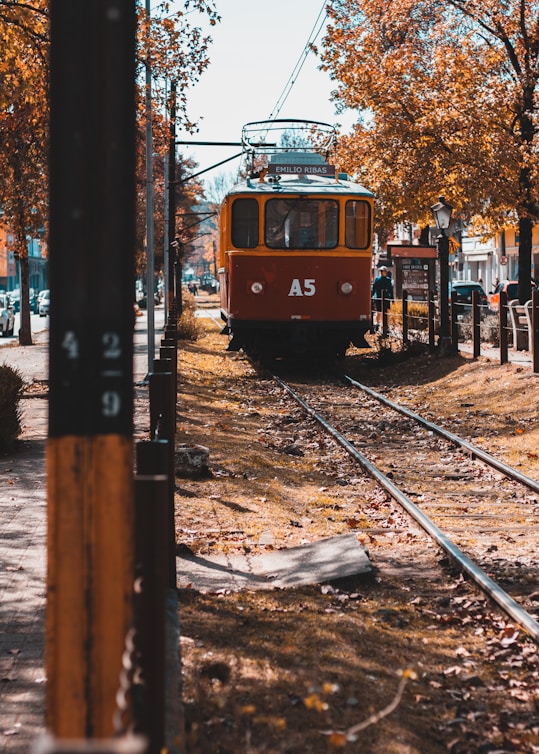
[[23, 541], [523, 358], [23, 562]]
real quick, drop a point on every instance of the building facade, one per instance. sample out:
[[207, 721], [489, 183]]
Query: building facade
[[9, 263], [473, 258]]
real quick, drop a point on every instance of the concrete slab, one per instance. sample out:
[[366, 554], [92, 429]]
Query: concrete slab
[[313, 563]]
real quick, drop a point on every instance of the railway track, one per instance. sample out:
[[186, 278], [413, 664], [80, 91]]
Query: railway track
[[278, 481], [480, 511]]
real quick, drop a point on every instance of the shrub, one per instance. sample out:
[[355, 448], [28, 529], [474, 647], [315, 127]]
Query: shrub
[[11, 387], [189, 327], [418, 315], [489, 330], [391, 350]]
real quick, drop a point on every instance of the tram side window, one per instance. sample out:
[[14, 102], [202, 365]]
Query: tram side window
[[358, 224], [245, 224]]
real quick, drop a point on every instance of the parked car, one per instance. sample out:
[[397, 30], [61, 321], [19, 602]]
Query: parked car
[[15, 298], [7, 316], [464, 290], [510, 287], [33, 301], [44, 302]]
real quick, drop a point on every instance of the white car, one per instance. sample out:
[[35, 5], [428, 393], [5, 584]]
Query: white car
[[7, 316], [44, 303]]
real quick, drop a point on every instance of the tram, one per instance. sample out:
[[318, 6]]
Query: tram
[[295, 250]]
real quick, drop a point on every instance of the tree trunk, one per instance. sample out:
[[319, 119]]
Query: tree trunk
[[527, 208], [25, 331]]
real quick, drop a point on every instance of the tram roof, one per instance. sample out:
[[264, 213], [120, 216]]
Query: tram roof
[[300, 185]]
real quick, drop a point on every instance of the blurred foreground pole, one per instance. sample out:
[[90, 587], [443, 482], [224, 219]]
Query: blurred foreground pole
[[90, 444]]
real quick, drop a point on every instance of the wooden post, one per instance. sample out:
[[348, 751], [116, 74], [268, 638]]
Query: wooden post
[[502, 320], [170, 352], [404, 317], [454, 323], [151, 567], [432, 309], [384, 303], [534, 335], [90, 441], [163, 427], [476, 325]]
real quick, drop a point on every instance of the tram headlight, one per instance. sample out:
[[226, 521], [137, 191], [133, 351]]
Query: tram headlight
[[347, 288], [257, 287]]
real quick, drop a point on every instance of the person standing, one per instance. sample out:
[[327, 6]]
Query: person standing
[[382, 282]]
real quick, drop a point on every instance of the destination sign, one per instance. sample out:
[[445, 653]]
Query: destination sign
[[300, 169]]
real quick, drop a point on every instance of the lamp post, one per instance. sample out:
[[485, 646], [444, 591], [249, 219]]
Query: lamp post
[[442, 217]]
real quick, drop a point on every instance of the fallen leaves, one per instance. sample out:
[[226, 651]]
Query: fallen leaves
[[321, 657]]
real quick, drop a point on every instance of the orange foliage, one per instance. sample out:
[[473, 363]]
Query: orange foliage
[[444, 94]]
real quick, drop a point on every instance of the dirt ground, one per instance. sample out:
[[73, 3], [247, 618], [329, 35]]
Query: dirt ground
[[410, 660]]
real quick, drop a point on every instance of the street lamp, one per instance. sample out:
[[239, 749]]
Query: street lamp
[[442, 217]]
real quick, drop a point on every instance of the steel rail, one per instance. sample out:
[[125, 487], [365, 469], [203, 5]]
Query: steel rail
[[490, 587], [508, 471]]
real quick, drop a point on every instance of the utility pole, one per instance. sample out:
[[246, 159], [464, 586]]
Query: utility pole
[[173, 245], [150, 260], [90, 527], [166, 242]]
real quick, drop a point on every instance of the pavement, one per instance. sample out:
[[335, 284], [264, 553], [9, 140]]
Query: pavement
[[23, 537], [522, 358]]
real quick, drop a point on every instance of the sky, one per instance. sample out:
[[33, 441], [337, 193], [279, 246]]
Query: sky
[[257, 46]]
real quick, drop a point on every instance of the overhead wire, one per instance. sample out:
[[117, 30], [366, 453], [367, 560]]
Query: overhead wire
[[313, 36]]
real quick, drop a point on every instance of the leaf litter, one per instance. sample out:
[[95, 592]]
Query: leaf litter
[[298, 669]]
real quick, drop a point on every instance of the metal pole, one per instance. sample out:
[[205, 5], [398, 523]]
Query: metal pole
[[150, 263], [165, 238], [443, 256], [173, 246], [90, 436]]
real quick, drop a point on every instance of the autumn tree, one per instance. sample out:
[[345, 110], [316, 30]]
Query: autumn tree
[[446, 95], [188, 195], [177, 51], [23, 132], [216, 188]]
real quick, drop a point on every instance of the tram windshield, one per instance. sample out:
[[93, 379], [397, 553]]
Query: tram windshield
[[301, 224]]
